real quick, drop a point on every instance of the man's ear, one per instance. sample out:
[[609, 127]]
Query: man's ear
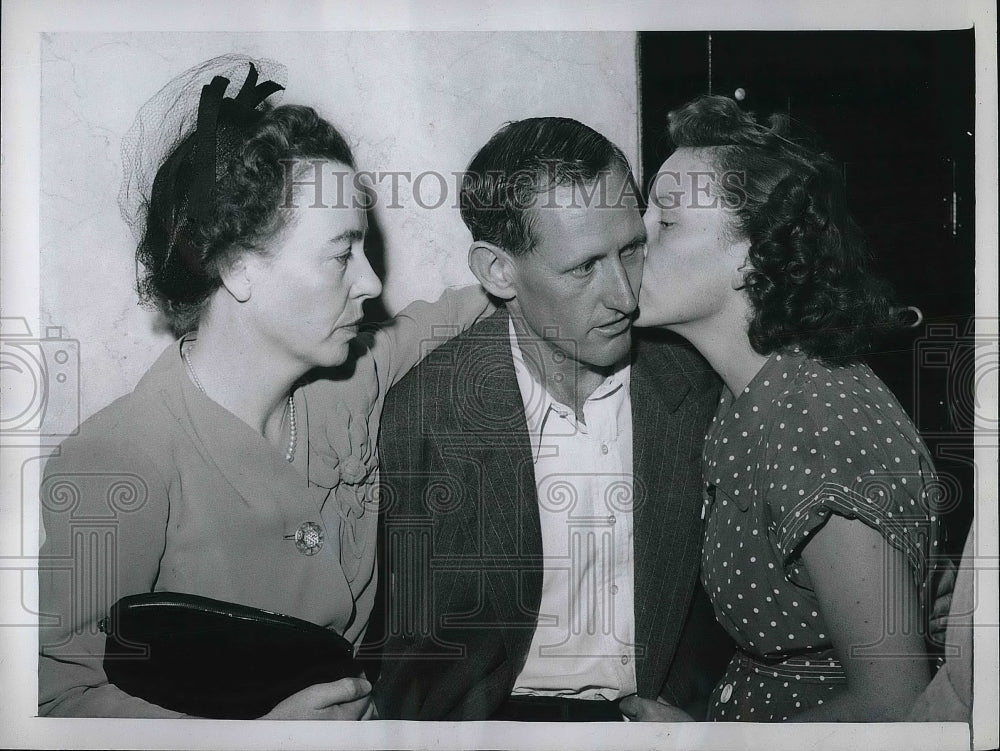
[[494, 269], [236, 278]]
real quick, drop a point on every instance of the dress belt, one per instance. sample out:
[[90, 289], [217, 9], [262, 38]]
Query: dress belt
[[818, 667]]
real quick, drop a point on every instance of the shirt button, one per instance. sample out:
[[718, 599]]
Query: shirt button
[[604, 448], [727, 693], [614, 589], [624, 659], [612, 519]]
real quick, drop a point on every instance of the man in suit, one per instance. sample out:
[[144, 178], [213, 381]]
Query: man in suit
[[540, 474]]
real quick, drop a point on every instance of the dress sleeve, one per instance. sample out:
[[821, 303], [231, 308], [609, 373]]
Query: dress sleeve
[[104, 512], [852, 461], [421, 327], [346, 411]]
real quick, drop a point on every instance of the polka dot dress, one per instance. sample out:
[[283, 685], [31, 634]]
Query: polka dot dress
[[803, 441]]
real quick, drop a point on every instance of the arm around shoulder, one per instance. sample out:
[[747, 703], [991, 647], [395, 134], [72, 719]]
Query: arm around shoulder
[[421, 327], [346, 411]]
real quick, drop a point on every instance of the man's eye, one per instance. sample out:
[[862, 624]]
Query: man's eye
[[632, 250], [584, 269], [665, 224]]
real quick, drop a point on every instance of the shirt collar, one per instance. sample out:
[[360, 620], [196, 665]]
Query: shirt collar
[[546, 416]]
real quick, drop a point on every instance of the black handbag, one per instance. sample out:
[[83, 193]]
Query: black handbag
[[216, 659]]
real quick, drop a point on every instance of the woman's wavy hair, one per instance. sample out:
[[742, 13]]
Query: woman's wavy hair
[[182, 250], [809, 281]]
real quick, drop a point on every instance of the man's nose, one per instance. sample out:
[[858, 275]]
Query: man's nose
[[621, 296]]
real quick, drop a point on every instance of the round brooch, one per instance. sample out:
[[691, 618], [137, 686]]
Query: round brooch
[[309, 538]]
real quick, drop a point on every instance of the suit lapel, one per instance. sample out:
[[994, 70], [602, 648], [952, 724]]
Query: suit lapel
[[667, 438], [668, 427], [499, 452]]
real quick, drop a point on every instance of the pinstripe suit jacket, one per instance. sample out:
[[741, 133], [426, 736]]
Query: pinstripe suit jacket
[[462, 550]]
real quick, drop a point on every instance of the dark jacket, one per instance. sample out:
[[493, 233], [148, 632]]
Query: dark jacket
[[461, 545]]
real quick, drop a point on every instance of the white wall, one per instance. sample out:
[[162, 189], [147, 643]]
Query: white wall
[[407, 101]]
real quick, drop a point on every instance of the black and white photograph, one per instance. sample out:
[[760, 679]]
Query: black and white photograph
[[542, 376]]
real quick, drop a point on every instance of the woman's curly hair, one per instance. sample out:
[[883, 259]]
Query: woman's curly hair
[[809, 283], [182, 255]]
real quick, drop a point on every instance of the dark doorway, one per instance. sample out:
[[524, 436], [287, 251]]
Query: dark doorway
[[898, 109]]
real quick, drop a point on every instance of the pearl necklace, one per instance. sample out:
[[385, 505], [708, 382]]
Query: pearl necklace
[[292, 432]]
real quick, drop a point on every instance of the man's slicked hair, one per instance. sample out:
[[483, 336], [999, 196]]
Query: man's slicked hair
[[522, 161]]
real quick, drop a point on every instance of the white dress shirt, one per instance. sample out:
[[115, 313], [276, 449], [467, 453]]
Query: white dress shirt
[[583, 646]]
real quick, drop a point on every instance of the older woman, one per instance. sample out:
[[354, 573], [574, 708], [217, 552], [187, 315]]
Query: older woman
[[819, 526], [229, 492]]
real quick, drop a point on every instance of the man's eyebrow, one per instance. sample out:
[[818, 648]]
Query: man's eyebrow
[[348, 234], [638, 242]]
